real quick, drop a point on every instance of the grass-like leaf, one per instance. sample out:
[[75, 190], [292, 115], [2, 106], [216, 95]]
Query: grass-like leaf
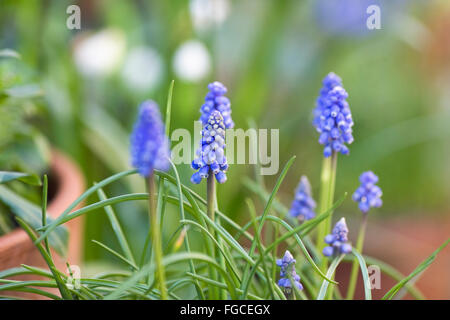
[[420, 268], [60, 283], [364, 273], [117, 228], [118, 255], [32, 215], [330, 272], [167, 261], [48, 228], [31, 179]]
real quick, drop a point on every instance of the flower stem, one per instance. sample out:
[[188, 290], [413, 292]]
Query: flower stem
[[211, 208], [211, 196], [355, 266], [327, 185], [156, 236]]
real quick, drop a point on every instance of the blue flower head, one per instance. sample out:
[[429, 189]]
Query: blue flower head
[[149, 144], [287, 265], [368, 194], [210, 156], [332, 116], [303, 204], [337, 240], [215, 100]]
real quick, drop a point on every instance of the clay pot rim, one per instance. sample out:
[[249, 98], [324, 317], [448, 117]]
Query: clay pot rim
[[69, 178]]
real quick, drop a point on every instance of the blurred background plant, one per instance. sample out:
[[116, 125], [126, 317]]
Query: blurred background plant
[[23, 147], [272, 56]]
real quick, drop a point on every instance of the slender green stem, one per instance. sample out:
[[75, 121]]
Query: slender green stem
[[156, 236], [211, 209], [211, 196], [44, 210], [355, 265], [327, 186]]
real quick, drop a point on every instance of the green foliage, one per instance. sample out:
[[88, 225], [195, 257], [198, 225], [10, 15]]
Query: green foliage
[[272, 66]]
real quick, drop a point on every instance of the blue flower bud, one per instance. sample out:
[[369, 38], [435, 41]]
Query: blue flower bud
[[332, 117], [211, 153], [303, 204], [216, 101], [368, 195], [327, 251], [337, 240], [287, 266], [149, 145]]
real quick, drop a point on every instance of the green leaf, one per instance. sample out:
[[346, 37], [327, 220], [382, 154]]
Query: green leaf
[[169, 107], [167, 261], [393, 273], [365, 274], [180, 198], [48, 259], [330, 272], [32, 215], [115, 253], [31, 179], [49, 227], [425, 264], [117, 228], [268, 205]]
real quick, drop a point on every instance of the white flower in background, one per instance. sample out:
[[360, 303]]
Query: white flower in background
[[192, 61], [143, 69], [100, 53], [207, 13]]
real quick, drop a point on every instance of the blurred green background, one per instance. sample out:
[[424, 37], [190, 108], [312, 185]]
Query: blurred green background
[[272, 56]]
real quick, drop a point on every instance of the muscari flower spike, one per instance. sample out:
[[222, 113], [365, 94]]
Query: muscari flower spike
[[303, 204], [211, 155], [337, 240], [215, 100], [149, 144], [368, 194], [332, 116], [287, 265]]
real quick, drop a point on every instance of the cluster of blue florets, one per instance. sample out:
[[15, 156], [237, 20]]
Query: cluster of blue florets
[[287, 265], [337, 240], [332, 116], [303, 204], [368, 194], [215, 100], [149, 144], [210, 156]]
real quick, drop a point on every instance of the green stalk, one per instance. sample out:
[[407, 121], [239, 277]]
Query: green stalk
[[211, 196], [156, 235], [211, 209], [44, 210], [355, 266], [327, 186]]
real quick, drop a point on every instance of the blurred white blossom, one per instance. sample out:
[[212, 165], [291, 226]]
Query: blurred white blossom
[[192, 61], [143, 69], [100, 53], [207, 13]]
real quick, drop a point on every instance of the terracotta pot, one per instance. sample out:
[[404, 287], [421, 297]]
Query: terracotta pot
[[16, 247], [404, 243]]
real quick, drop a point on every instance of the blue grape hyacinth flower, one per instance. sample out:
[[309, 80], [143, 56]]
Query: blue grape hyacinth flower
[[149, 145], [332, 116], [338, 240], [287, 265], [210, 156], [215, 100], [303, 204], [368, 194]]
